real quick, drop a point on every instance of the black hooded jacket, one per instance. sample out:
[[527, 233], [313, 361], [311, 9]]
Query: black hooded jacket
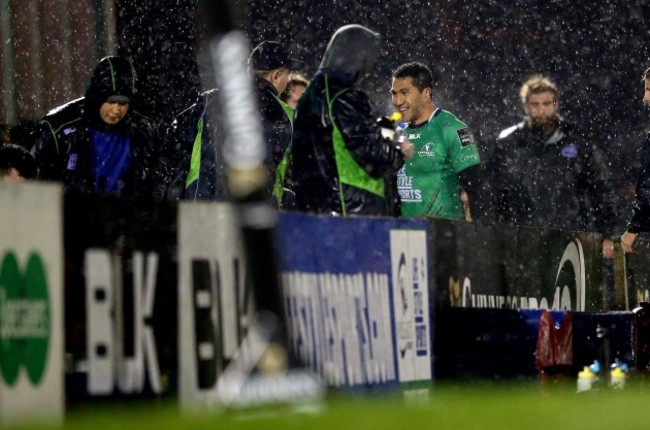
[[640, 221], [558, 182], [61, 144], [349, 57], [277, 126], [188, 162]]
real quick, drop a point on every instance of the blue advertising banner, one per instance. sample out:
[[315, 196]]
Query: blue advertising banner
[[357, 296]]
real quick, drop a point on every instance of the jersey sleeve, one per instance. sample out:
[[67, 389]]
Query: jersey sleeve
[[463, 151]]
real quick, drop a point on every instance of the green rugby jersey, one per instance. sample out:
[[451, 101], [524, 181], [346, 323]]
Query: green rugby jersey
[[428, 183]]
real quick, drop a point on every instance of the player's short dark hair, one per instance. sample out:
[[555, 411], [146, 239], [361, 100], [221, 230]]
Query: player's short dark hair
[[418, 72], [19, 158]]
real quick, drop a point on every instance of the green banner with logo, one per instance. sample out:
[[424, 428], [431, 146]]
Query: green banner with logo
[[497, 266]]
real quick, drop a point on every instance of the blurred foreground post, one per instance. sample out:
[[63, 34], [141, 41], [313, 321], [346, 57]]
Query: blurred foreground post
[[264, 359]]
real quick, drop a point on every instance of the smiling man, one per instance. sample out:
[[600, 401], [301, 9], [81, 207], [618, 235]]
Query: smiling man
[[99, 143], [444, 170]]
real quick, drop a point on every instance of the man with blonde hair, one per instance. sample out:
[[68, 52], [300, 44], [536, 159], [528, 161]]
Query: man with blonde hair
[[547, 173], [540, 98]]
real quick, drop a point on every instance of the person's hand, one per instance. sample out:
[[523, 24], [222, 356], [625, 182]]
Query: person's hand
[[408, 149], [464, 198], [627, 241], [608, 248]]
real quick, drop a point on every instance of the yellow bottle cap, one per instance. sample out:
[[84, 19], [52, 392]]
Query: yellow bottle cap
[[396, 116], [586, 373]]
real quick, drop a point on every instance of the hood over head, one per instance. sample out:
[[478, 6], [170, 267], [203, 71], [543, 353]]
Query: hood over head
[[352, 52], [114, 78]]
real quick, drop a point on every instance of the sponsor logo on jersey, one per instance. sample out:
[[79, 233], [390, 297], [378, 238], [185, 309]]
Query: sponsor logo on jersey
[[570, 151], [69, 130], [466, 137], [469, 157], [414, 135], [427, 150], [405, 187], [410, 195]]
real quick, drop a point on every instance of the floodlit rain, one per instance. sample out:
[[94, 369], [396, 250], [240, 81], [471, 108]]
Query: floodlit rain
[[480, 54]]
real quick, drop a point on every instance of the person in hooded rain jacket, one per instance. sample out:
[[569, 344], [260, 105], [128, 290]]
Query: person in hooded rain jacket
[[339, 157], [99, 143]]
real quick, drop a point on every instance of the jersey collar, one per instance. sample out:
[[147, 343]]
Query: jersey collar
[[435, 113]]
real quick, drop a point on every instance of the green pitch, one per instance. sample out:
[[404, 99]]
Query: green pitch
[[458, 408]]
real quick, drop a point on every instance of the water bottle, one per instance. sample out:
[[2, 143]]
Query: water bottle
[[400, 127], [618, 375], [588, 377], [400, 132]]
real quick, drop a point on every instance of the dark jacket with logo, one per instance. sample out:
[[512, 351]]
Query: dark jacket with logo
[[559, 182], [61, 144], [640, 221], [314, 174]]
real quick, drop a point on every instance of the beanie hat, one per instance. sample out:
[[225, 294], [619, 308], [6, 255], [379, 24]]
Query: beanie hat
[[271, 55]]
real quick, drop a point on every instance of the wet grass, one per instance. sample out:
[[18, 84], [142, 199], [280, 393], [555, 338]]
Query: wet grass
[[475, 406]]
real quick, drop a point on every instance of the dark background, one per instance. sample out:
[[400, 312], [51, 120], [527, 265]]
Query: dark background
[[480, 53]]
